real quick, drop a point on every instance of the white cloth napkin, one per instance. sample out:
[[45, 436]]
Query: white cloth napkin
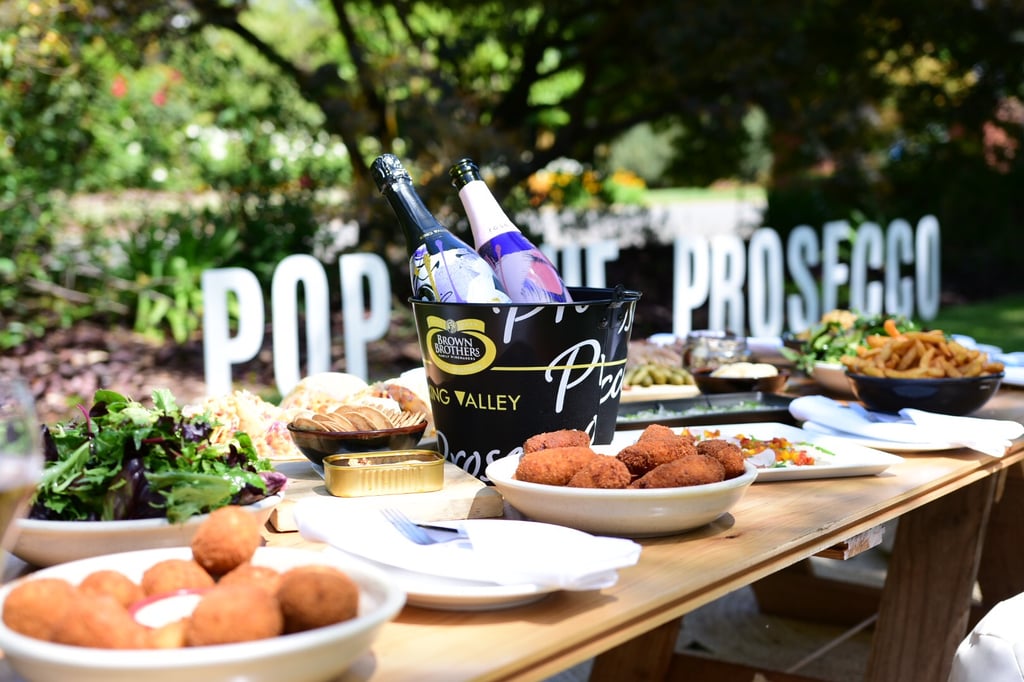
[[494, 551], [994, 650], [991, 436]]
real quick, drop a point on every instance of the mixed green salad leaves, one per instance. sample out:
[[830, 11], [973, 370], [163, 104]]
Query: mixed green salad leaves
[[123, 461], [840, 334]]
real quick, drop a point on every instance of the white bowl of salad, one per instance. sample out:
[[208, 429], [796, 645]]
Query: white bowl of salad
[[47, 543], [838, 334], [124, 477]]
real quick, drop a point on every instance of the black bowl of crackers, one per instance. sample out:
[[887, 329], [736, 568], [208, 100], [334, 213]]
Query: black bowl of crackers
[[351, 429], [922, 370]]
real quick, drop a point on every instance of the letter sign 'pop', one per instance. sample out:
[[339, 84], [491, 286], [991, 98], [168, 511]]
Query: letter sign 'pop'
[[365, 317]]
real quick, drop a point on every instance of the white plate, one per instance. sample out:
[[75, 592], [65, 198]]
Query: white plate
[[450, 594], [887, 445], [490, 564], [841, 457]]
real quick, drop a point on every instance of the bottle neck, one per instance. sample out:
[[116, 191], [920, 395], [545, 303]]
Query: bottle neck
[[413, 215], [486, 216]]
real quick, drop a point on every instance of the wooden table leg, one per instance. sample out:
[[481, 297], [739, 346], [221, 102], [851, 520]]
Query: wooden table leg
[[1001, 573], [643, 658], [925, 603]]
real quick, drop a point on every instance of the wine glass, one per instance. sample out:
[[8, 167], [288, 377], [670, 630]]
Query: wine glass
[[21, 454]]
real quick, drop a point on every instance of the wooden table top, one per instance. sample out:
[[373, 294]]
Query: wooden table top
[[775, 525]]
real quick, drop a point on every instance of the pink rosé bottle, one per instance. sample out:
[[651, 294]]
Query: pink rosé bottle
[[524, 271]]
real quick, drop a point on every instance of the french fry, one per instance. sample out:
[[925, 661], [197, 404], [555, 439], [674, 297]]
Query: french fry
[[890, 328], [918, 354]]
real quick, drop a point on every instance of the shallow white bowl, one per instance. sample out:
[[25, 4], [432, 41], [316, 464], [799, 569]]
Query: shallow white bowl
[[626, 512], [320, 654], [832, 377], [45, 543]]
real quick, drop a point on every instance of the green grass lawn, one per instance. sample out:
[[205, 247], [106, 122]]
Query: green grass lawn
[[999, 322]]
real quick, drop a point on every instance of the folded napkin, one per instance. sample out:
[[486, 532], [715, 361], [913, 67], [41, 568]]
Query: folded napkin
[[991, 436], [493, 551]]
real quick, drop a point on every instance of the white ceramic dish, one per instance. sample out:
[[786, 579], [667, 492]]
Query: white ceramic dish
[[838, 457], [625, 512], [319, 654], [832, 377], [45, 543], [635, 394]]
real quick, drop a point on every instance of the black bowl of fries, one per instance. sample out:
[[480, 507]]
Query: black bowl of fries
[[922, 370], [947, 395], [352, 430]]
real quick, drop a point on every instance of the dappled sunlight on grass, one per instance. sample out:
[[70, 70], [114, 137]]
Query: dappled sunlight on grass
[[999, 322]]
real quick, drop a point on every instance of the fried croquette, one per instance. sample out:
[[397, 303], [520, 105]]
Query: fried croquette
[[170, 575], [557, 439], [601, 472], [227, 538], [643, 456], [99, 621], [36, 606], [685, 471], [113, 583], [264, 577], [656, 431], [314, 596], [553, 466], [234, 613], [729, 454]]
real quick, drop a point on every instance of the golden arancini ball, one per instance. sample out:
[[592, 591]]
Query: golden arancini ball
[[171, 575], [99, 621], [315, 596], [263, 577], [37, 605], [114, 583], [234, 613], [227, 538]]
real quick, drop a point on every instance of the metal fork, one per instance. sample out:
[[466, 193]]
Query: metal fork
[[404, 525]]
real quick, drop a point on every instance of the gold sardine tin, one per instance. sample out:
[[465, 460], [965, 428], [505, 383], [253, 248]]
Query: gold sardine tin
[[387, 472]]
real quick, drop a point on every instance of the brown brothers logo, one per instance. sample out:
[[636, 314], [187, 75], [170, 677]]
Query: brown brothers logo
[[459, 347]]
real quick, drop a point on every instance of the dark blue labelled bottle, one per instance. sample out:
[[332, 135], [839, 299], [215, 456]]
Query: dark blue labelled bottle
[[442, 267]]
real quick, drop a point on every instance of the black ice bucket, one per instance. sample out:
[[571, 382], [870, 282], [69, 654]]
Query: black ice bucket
[[500, 373]]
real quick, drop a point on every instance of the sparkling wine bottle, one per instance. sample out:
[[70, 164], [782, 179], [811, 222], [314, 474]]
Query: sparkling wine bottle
[[523, 269], [442, 267]]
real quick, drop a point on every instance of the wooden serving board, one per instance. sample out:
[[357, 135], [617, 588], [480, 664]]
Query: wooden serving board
[[462, 497]]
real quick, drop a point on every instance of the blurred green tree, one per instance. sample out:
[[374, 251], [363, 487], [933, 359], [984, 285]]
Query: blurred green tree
[[878, 110]]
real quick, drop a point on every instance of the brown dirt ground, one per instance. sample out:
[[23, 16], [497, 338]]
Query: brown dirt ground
[[65, 368]]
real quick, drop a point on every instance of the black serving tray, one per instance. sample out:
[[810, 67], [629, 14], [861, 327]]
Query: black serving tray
[[714, 408]]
